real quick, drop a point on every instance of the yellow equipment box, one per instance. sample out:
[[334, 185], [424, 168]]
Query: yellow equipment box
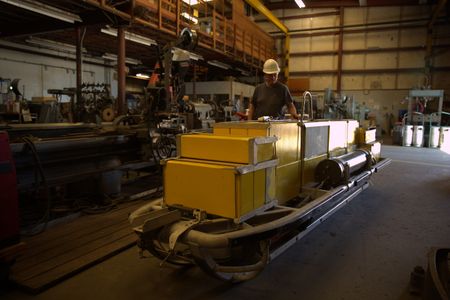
[[288, 152], [228, 190], [365, 136], [236, 149]]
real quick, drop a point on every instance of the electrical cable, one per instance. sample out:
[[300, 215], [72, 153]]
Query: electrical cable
[[40, 225]]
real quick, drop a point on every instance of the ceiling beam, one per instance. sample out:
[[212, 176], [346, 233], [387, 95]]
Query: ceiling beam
[[256, 4], [437, 10], [34, 28]]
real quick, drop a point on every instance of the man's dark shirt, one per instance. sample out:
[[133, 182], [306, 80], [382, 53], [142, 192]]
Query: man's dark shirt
[[269, 101]]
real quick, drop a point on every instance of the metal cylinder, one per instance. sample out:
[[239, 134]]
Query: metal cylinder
[[407, 135], [434, 136], [418, 136], [337, 170]]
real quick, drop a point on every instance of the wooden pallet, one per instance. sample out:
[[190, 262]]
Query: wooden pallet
[[65, 250]]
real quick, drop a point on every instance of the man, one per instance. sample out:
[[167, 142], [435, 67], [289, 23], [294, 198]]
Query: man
[[270, 97]]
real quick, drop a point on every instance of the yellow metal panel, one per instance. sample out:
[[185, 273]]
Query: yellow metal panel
[[309, 167], [271, 185], [287, 182], [288, 145], [244, 193], [222, 131], [209, 187], [238, 132], [257, 132], [211, 147], [265, 152], [259, 188], [338, 135], [364, 136], [225, 148], [247, 125], [351, 133]]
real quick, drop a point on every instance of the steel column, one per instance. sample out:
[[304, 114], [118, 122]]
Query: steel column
[[340, 46], [121, 72], [79, 66]]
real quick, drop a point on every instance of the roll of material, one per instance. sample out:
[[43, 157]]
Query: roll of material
[[338, 170]]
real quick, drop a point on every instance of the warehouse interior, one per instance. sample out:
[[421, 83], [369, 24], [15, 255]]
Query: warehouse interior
[[129, 166]]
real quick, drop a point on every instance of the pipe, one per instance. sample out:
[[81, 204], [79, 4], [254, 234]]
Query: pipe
[[209, 240], [311, 110], [79, 66], [121, 70]]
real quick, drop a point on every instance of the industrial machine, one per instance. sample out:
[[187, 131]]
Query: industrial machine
[[10, 245], [422, 123], [237, 198]]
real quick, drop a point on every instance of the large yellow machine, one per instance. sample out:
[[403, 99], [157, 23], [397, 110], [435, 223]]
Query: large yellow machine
[[237, 198]]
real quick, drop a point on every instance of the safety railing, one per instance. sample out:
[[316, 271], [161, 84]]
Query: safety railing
[[241, 41]]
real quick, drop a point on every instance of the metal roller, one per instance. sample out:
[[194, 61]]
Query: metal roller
[[337, 170]]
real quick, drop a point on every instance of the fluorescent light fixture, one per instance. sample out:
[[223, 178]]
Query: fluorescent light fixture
[[113, 57], [140, 39], [219, 64], [300, 3], [53, 45], [189, 17], [192, 56], [143, 76], [49, 11], [194, 2], [243, 72]]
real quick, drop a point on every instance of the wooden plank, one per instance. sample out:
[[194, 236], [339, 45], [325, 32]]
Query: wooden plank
[[67, 248], [83, 225], [62, 272], [49, 264]]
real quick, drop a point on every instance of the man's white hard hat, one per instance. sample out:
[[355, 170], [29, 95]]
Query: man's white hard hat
[[271, 67]]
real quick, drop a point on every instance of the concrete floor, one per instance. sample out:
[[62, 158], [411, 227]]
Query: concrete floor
[[365, 251]]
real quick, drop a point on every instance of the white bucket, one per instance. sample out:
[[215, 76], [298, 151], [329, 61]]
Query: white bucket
[[418, 136], [444, 141], [407, 135], [434, 136]]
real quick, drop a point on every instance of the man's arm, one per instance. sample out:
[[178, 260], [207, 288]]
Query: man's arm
[[251, 110], [293, 110], [251, 106], [290, 103]]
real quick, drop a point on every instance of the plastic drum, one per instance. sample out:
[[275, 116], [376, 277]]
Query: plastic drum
[[418, 136], [407, 135]]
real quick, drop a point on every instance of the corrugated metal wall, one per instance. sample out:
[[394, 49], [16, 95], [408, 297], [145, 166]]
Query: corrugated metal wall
[[380, 63]]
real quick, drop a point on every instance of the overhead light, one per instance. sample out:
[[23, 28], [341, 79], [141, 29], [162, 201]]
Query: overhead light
[[194, 2], [243, 72], [300, 3], [219, 64], [143, 76], [140, 39], [192, 56], [189, 17], [53, 45], [113, 57], [49, 11]]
